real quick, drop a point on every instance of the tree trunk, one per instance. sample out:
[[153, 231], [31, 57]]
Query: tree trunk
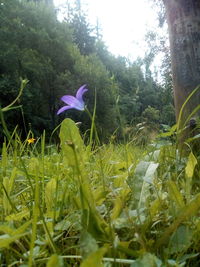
[[183, 18]]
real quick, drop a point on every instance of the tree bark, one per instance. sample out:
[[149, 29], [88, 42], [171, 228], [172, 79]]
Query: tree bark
[[183, 18]]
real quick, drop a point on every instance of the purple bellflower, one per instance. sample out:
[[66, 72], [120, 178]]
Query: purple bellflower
[[74, 102]]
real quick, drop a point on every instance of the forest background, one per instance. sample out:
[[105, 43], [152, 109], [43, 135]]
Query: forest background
[[58, 57]]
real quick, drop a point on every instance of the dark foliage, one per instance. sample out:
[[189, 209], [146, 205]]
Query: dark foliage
[[57, 58]]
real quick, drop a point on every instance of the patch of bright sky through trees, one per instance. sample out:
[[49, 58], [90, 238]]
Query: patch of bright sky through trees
[[123, 24]]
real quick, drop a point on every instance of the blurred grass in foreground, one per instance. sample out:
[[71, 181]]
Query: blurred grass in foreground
[[115, 205]]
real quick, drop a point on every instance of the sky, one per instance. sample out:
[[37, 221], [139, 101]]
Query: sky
[[123, 23]]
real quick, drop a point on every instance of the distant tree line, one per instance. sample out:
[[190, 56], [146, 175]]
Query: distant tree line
[[57, 58]]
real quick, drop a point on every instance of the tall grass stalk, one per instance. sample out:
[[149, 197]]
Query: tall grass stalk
[[93, 129], [183, 107]]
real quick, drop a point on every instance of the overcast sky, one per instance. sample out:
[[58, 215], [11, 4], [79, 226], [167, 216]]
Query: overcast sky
[[123, 23]]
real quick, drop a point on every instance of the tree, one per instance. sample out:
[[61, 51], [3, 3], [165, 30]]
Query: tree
[[48, 2], [183, 18], [36, 46], [82, 31], [57, 58]]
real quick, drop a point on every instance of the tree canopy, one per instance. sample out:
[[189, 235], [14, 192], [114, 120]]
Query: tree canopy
[[57, 58]]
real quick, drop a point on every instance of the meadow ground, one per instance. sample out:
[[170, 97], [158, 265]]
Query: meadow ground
[[112, 205]]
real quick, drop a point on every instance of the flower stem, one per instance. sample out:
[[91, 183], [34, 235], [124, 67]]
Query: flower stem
[[5, 129], [93, 127]]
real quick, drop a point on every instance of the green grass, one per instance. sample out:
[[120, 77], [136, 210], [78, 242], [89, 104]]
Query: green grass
[[115, 205]]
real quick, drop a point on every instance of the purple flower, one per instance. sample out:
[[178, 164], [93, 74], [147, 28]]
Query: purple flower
[[74, 102]]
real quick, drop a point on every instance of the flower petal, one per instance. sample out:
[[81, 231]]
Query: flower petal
[[79, 105], [70, 100], [80, 92], [63, 109]]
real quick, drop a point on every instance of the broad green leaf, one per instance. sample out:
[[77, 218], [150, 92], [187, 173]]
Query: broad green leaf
[[88, 244], [4, 160], [151, 172], [188, 211], [148, 180], [55, 261], [50, 190], [63, 225], [170, 132], [155, 207], [136, 183], [144, 175], [175, 195], [6, 203], [95, 258], [12, 178], [141, 168], [33, 165], [100, 195], [86, 196], [6, 183], [128, 216], [153, 156], [72, 145], [119, 203], [49, 225], [8, 186], [180, 240], [92, 221], [192, 162], [149, 260]]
